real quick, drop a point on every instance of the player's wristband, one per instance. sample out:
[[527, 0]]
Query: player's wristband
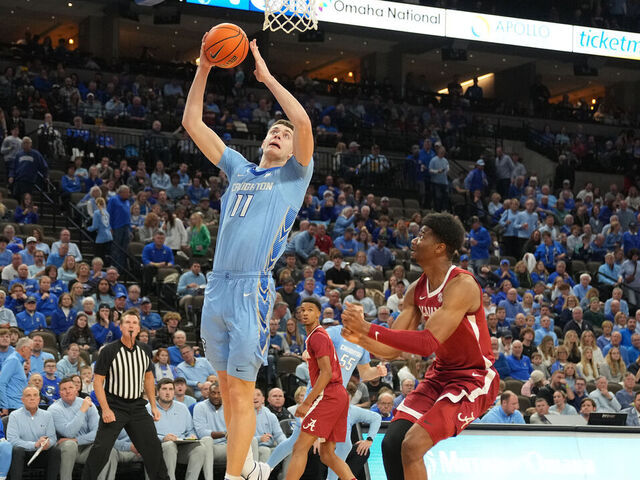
[[421, 342]]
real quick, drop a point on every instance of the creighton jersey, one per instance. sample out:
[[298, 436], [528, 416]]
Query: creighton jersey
[[349, 354], [257, 212]]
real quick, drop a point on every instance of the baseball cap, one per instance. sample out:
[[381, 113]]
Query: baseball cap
[[507, 335], [278, 112], [480, 162], [226, 137], [353, 144], [464, 258], [121, 294], [145, 300], [505, 262], [30, 299], [31, 239], [384, 199], [327, 320], [104, 305]]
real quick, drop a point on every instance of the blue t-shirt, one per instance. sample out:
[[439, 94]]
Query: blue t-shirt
[[257, 212]]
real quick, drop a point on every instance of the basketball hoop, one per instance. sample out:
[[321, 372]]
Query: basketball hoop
[[290, 15]]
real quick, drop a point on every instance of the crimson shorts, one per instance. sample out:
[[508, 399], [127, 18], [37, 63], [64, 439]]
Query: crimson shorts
[[327, 417], [444, 403]]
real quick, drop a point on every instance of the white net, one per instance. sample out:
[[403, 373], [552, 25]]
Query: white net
[[290, 15]]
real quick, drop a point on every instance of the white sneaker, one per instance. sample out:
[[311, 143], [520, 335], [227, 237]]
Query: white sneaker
[[261, 471]]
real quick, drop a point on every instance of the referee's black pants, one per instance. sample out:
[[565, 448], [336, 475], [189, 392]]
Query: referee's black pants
[[139, 425]]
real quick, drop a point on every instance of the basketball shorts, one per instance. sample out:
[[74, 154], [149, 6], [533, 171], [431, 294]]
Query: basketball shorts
[[235, 322], [444, 404], [327, 417]]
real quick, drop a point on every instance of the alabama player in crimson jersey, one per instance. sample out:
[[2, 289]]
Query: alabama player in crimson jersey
[[461, 384], [324, 411]]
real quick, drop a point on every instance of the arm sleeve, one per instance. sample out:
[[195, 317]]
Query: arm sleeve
[[96, 221], [145, 256], [231, 161], [418, 342], [102, 364], [6, 374], [373, 419], [295, 180], [201, 426]]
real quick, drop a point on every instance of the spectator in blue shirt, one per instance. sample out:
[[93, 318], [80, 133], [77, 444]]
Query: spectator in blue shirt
[[505, 273], [511, 305], [545, 330], [343, 222], [13, 379], [506, 412], [519, 364], [65, 316], [303, 244], [526, 222], [5, 254], [27, 166], [480, 241], [155, 255], [609, 271], [71, 183], [26, 212], [631, 238], [119, 209], [380, 256], [561, 271], [476, 179], [148, 319], [196, 191], [347, 245], [29, 320], [583, 287], [549, 252]]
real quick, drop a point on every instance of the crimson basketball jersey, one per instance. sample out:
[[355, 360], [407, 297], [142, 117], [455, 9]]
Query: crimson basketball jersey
[[319, 344], [469, 347]]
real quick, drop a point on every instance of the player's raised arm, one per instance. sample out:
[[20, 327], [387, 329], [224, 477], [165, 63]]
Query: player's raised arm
[[458, 302], [303, 133], [206, 139], [409, 319]]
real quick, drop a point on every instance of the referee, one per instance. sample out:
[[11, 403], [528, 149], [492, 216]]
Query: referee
[[122, 371]]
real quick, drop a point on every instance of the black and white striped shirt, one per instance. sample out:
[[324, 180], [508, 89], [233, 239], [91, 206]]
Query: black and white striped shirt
[[124, 369]]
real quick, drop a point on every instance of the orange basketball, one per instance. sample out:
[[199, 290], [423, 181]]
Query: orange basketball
[[226, 45]]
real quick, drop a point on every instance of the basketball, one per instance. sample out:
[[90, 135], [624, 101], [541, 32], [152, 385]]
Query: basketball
[[226, 45]]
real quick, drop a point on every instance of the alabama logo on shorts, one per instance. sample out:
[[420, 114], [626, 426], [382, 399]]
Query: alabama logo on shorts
[[310, 425]]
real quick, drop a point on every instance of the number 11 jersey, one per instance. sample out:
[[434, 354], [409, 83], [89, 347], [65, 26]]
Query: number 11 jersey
[[257, 212]]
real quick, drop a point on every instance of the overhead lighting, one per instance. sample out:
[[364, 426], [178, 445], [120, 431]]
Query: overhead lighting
[[335, 79], [467, 83], [350, 74], [593, 101], [69, 4], [71, 41]]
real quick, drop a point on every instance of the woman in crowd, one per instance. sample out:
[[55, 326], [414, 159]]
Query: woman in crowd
[[16, 298], [560, 405], [588, 367], [294, 338], [522, 275], [161, 366], [89, 309], [58, 287], [77, 296], [539, 273], [594, 220], [613, 367], [198, 235], [401, 236], [562, 355], [104, 293], [26, 211], [81, 334], [364, 240], [570, 303], [151, 224], [104, 330], [64, 317], [67, 271], [358, 295], [101, 224], [487, 304], [588, 339], [547, 350], [571, 374], [532, 242], [605, 339], [571, 342], [527, 303], [176, 234], [298, 397], [83, 272]]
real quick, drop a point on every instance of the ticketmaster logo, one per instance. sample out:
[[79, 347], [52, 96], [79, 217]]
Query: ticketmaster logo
[[608, 41]]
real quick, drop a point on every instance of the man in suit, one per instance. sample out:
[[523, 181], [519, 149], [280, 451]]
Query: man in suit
[[633, 412]]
